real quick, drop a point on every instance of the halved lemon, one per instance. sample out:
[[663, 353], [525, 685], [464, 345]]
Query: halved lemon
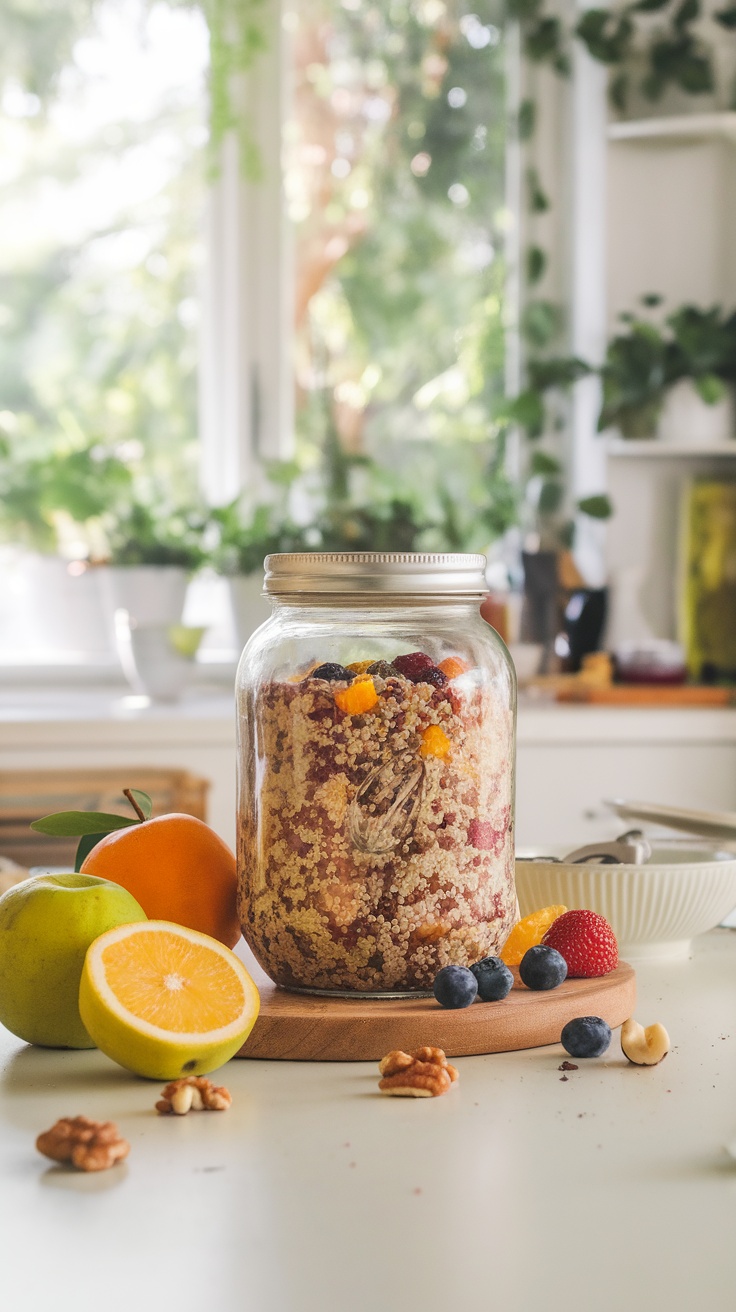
[[166, 1001]]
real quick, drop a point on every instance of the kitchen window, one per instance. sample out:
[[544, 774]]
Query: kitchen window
[[193, 323]]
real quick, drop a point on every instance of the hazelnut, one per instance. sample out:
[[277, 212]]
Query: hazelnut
[[644, 1047]]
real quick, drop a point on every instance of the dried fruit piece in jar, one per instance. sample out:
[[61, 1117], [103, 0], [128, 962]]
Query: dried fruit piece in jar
[[483, 836], [528, 932], [359, 667], [413, 665], [433, 676], [453, 666], [331, 671], [384, 669], [435, 742], [359, 697]]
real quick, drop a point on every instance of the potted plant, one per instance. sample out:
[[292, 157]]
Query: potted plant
[[674, 381], [151, 555], [699, 405], [245, 536], [52, 489]]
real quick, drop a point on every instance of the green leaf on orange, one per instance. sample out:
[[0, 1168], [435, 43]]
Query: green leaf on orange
[[70, 824], [143, 800]]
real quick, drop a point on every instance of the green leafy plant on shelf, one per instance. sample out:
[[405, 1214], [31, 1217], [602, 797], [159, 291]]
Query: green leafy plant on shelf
[[647, 359], [139, 535], [46, 485]]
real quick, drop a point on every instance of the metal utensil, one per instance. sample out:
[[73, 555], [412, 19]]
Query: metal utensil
[[630, 849]]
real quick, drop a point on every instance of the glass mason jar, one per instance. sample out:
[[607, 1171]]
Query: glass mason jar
[[376, 719]]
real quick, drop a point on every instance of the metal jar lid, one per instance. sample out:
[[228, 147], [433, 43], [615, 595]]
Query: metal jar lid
[[386, 573]]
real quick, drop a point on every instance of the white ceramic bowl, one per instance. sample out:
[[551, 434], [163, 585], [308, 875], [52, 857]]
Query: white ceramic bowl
[[527, 658], [655, 909]]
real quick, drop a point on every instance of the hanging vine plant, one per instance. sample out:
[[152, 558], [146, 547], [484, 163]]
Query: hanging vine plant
[[237, 32], [649, 47]]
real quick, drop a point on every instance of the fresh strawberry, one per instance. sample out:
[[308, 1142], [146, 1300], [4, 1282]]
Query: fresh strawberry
[[586, 941]]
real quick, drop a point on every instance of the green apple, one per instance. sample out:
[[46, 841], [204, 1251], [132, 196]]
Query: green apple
[[46, 925]]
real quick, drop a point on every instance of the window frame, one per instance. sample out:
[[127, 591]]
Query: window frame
[[246, 403]]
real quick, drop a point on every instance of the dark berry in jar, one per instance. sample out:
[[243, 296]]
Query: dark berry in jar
[[542, 968], [455, 987], [495, 980], [433, 676], [333, 672], [586, 1036], [412, 665], [384, 670]]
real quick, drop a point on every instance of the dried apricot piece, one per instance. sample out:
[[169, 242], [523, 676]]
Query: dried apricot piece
[[453, 666], [434, 742], [359, 697], [359, 667], [528, 933]]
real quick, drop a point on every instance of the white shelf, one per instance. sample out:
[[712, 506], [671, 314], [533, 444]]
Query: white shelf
[[656, 449], [677, 128]]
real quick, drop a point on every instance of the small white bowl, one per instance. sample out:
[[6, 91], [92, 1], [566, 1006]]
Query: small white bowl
[[527, 658], [655, 909]]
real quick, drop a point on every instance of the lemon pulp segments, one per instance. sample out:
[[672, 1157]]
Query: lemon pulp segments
[[165, 980]]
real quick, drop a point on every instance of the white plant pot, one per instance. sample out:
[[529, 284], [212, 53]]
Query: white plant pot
[[248, 605], [150, 660], [150, 594], [687, 419], [52, 606]]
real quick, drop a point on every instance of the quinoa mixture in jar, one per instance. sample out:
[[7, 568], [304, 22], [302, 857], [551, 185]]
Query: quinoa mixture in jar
[[376, 756]]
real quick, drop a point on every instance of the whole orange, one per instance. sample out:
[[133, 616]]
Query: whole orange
[[177, 868]]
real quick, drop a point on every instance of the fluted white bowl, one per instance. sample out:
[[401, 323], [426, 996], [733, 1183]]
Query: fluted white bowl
[[655, 909]]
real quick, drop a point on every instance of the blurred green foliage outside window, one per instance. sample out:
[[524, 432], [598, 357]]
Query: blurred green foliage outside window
[[393, 169]]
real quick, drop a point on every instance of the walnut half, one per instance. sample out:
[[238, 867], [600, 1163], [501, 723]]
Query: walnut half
[[87, 1145], [193, 1093], [425, 1073]]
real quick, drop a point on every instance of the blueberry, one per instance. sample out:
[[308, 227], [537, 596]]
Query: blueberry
[[586, 1036], [494, 979], [455, 987], [333, 672], [542, 968]]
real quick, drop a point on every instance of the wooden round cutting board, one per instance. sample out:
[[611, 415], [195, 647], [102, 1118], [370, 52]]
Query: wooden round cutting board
[[296, 1027]]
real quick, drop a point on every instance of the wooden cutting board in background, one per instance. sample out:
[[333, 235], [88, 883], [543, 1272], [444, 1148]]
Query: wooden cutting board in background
[[639, 694]]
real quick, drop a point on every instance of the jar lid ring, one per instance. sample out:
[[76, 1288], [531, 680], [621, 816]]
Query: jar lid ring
[[391, 573]]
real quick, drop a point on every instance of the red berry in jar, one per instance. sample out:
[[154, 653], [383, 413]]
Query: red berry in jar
[[413, 665]]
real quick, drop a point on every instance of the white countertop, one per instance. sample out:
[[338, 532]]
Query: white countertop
[[518, 1189]]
